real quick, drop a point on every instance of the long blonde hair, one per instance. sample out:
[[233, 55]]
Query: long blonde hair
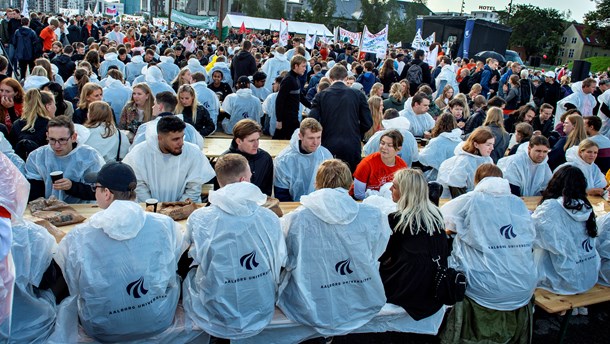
[[85, 92], [578, 133], [462, 97], [100, 113], [495, 116], [34, 107], [396, 91], [179, 108], [417, 212], [374, 105], [376, 86], [150, 101]]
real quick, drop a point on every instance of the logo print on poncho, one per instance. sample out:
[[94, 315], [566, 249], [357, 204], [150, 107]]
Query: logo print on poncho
[[586, 245], [343, 267], [248, 261], [508, 232], [136, 288]]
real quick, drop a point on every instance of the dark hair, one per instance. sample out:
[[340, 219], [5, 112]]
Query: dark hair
[[242, 82], [570, 183], [168, 99], [594, 122], [521, 111], [168, 124], [496, 101], [62, 122], [445, 123], [58, 92], [418, 54], [419, 97], [396, 137], [198, 76], [3, 62], [390, 113], [68, 49], [539, 140]]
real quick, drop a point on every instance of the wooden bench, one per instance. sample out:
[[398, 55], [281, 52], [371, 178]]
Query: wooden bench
[[557, 304]]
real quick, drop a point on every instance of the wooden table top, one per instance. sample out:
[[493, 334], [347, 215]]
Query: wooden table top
[[214, 147], [553, 303]]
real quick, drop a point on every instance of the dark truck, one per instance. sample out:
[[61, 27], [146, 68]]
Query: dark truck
[[484, 35]]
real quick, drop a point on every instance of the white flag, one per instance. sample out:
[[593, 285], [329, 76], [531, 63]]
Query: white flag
[[417, 41], [96, 9], [25, 11], [283, 33], [431, 58], [310, 41]]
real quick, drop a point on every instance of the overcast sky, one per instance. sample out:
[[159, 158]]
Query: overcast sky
[[578, 11]]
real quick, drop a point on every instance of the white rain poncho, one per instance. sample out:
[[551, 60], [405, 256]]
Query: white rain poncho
[[75, 165], [446, 77], [603, 248], [121, 265], [191, 134], [595, 177], [604, 98], [260, 93], [240, 105], [566, 256], [331, 281], [134, 68], [167, 177], [296, 171], [521, 171], [438, 150], [194, 66], [110, 59], [116, 94], [458, 171], [274, 67], [269, 109], [34, 81], [409, 151], [493, 245], [34, 310], [239, 249], [154, 80], [169, 69], [108, 146], [222, 67], [7, 149], [582, 101], [71, 81], [419, 123], [207, 98]]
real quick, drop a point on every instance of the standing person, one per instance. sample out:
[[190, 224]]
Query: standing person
[[274, 66], [387, 76], [243, 63], [48, 35], [417, 72], [89, 30], [288, 99], [345, 116], [549, 92], [582, 99], [486, 77], [25, 40]]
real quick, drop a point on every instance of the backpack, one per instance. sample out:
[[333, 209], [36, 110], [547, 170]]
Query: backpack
[[475, 78], [415, 74], [526, 93], [449, 284]]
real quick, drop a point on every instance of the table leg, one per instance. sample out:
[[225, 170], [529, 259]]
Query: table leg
[[564, 326]]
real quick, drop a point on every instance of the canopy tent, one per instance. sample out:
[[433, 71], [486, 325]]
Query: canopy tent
[[234, 20]]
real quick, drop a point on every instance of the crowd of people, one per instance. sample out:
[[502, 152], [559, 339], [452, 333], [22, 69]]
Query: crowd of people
[[122, 110]]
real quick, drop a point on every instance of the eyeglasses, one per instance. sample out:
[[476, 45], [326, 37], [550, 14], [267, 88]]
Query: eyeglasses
[[63, 141], [94, 187]]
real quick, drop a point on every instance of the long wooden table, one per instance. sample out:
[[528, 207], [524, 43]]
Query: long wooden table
[[214, 147]]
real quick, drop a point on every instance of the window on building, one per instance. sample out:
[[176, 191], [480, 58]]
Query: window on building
[[587, 54], [571, 53], [214, 5], [561, 52], [573, 40], [564, 39]]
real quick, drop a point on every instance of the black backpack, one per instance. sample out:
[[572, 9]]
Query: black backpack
[[415, 74], [475, 78]]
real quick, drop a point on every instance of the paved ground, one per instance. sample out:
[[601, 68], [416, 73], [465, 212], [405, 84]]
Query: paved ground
[[591, 329]]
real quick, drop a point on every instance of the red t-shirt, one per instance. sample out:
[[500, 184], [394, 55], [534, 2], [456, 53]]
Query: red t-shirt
[[4, 213], [372, 171], [48, 37]]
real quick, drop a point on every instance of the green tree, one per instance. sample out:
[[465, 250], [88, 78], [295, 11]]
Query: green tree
[[248, 7], [319, 11], [537, 30], [376, 14], [276, 9], [599, 21]]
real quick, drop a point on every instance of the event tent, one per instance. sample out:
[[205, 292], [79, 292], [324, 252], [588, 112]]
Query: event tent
[[254, 23]]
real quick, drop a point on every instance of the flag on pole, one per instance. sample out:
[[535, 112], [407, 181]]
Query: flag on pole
[[283, 33], [417, 41], [88, 11], [25, 11], [336, 34], [375, 43], [310, 41], [96, 9], [242, 28]]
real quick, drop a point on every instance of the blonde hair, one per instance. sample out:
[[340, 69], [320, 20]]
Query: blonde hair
[[375, 88], [100, 113], [34, 107], [39, 71], [495, 116], [178, 78], [578, 134], [85, 92], [333, 173], [374, 105], [416, 211], [150, 101], [462, 97], [179, 107], [396, 91], [586, 144]]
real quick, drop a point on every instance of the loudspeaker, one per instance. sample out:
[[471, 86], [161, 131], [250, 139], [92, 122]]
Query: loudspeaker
[[580, 71], [534, 61]]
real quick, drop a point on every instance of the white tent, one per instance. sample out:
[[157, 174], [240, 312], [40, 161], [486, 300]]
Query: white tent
[[254, 23]]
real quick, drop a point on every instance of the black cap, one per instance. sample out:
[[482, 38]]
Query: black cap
[[259, 76], [115, 176]]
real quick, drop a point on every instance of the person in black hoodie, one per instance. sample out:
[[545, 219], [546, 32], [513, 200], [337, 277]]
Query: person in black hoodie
[[64, 63], [243, 63], [246, 135], [74, 34], [288, 98], [24, 41]]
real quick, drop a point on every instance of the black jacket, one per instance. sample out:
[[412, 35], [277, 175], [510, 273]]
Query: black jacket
[[203, 122], [65, 66], [548, 93], [74, 34], [261, 165], [243, 64], [84, 33], [345, 116], [287, 105], [426, 76], [474, 121], [25, 41]]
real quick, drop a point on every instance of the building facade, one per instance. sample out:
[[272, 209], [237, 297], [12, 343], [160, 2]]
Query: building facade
[[575, 45]]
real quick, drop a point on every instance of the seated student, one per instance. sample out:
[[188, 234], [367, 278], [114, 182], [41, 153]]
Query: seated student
[[258, 86], [206, 96], [528, 172], [63, 153], [246, 136], [167, 168], [7, 149], [238, 250], [122, 297], [495, 122], [378, 168], [523, 133], [574, 129], [418, 237], [315, 289], [218, 86], [456, 174], [456, 108], [493, 247], [192, 112], [241, 105], [392, 120], [416, 111], [543, 123], [603, 248], [445, 137], [296, 164], [116, 93], [111, 143], [29, 132], [593, 125], [565, 249], [583, 157]]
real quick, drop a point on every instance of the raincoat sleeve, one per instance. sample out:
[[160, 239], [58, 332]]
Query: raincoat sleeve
[[450, 174], [143, 191], [201, 172], [454, 213], [599, 178], [430, 156], [603, 248]]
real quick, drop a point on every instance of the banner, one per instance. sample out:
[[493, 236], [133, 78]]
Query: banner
[[336, 34], [419, 25], [112, 11], [283, 41], [352, 38], [202, 22], [68, 12], [375, 43], [310, 41], [467, 36], [428, 41], [96, 9], [417, 41], [160, 22], [127, 17]]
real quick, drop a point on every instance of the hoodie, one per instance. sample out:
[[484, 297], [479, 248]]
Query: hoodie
[[595, 177], [241, 104], [169, 69], [111, 59], [223, 67], [274, 67], [438, 150], [243, 64], [65, 66], [458, 171], [585, 103], [134, 68], [261, 166]]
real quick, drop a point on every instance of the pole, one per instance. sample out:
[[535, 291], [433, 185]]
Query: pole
[[221, 9], [169, 17]]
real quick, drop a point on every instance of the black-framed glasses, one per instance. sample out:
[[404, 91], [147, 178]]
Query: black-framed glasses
[[63, 141], [94, 187]]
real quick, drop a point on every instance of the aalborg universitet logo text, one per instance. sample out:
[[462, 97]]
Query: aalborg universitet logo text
[[508, 232], [343, 267], [136, 288], [248, 261]]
